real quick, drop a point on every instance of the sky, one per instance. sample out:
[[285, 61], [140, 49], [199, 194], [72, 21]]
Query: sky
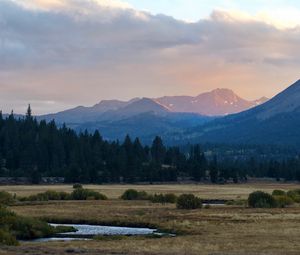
[[57, 54]]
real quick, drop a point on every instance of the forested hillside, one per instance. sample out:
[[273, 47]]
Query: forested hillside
[[33, 149]]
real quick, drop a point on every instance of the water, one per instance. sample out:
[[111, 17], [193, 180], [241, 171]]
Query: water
[[93, 230], [86, 232]]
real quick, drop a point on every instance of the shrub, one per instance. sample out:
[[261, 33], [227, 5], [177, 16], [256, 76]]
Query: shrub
[[13, 227], [64, 196], [85, 194], [188, 201], [37, 197], [294, 195], [27, 228], [77, 194], [171, 198], [259, 199], [161, 198], [77, 186], [46, 196], [278, 192], [52, 195], [158, 198], [7, 238], [132, 194], [6, 198], [143, 195], [283, 201]]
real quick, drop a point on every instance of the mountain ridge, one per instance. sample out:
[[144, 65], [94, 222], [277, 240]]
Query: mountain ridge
[[274, 122], [217, 102]]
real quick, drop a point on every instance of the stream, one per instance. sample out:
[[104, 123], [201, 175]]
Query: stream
[[87, 232]]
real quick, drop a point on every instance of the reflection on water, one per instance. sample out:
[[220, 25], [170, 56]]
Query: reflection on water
[[87, 232]]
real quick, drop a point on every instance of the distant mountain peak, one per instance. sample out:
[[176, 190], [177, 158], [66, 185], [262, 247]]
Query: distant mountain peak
[[222, 90], [146, 105], [218, 102], [273, 122]]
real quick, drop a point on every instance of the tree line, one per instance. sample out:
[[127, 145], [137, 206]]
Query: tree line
[[35, 149]]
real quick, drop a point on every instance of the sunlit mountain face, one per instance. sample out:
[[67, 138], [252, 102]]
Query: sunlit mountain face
[[274, 122]]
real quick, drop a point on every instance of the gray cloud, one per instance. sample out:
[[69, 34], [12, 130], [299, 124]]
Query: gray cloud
[[84, 52]]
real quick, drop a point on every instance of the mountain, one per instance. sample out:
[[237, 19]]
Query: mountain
[[136, 107], [274, 122], [146, 118], [218, 102], [144, 125], [215, 103], [260, 101], [139, 117]]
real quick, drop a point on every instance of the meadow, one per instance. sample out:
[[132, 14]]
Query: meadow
[[215, 230], [205, 191]]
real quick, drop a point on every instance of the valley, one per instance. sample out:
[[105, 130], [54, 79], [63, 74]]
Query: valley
[[141, 127]]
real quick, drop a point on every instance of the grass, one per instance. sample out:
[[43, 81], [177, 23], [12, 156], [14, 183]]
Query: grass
[[227, 230], [230, 191]]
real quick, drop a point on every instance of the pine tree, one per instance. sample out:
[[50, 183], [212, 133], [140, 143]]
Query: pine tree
[[29, 112], [158, 151]]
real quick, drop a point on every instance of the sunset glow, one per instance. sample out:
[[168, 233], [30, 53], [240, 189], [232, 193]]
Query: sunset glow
[[56, 54]]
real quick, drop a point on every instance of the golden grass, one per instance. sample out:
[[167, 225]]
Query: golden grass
[[219, 230], [231, 191]]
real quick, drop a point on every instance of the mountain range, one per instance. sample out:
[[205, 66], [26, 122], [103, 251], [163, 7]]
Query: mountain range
[[209, 117], [218, 102], [274, 122], [147, 117]]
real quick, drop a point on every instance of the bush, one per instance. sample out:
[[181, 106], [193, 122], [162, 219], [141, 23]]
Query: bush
[[188, 201], [259, 199], [65, 196], [283, 201], [132, 194], [86, 194], [7, 238], [6, 198], [46, 196], [163, 199], [27, 228], [52, 195], [77, 194], [278, 192], [77, 186], [294, 195], [171, 198], [143, 195], [13, 227]]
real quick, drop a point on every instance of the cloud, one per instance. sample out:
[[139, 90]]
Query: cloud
[[71, 4], [71, 52], [283, 18]]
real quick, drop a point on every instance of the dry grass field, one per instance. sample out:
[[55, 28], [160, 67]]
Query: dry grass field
[[231, 191], [216, 231]]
